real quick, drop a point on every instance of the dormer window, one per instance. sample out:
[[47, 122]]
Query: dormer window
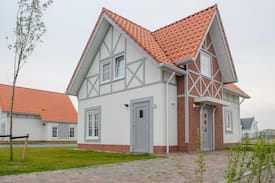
[[205, 60]]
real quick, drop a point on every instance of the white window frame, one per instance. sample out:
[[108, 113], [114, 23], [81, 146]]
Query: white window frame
[[95, 132], [56, 132], [105, 62], [228, 121], [70, 127], [205, 61], [115, 76]]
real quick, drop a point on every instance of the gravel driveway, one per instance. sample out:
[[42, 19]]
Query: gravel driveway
[[177, 167]]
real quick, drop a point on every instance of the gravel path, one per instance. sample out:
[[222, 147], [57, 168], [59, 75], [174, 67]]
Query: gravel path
[[176, 168]]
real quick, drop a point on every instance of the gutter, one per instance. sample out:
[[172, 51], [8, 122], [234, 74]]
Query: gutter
[[167, 112], [185, 61], [171, 68]]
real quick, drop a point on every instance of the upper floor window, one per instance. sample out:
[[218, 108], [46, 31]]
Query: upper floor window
[[228, 121], [93, 124], [119, 69], [205, 64], [105, 71]]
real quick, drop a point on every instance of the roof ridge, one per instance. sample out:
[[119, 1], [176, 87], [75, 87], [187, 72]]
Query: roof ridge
[[185, 18], [22, 87], [107, 10]]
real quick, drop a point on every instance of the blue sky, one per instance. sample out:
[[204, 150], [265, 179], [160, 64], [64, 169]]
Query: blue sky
[[249, 26]]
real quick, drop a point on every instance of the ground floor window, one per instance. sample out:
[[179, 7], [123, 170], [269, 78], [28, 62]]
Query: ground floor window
[[228, 120], [71, 132], [2, 129], [93, 123], [54, 132]]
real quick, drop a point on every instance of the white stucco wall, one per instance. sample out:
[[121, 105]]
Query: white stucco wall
[[35, 128], [235, 135], [115, 117], [3, 124], [50, 125]]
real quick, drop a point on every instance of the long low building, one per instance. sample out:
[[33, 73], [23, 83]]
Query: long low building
[[45, 115]]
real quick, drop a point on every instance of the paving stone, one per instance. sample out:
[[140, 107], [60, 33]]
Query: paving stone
[[176, 168]]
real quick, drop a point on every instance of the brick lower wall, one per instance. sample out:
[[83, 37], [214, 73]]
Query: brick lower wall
[[162, 149], [105, 147]]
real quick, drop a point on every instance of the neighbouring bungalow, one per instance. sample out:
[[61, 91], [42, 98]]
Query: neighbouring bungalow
[[249, 127], [45, 115], [166, 90]]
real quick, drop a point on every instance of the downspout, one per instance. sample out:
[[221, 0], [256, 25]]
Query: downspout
[[167, 112], [213, 116]]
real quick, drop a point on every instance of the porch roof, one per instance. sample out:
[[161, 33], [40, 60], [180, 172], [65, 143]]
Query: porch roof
[[211, 101]]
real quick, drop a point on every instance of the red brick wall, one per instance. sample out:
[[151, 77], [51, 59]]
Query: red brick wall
[[105, 147], [219, 127], [162, 149], [180, 113]]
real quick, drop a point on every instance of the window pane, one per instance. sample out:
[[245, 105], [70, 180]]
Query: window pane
[[119, 66], [205, 64], [54, 131], [71, 132], [106, 71], [93, 123]]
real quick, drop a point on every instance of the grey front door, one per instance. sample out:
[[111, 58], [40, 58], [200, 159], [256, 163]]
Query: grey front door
[[141, 127], [206, 129]]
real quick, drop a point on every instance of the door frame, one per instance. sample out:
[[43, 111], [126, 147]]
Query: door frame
[[211, 134], [150, 118]]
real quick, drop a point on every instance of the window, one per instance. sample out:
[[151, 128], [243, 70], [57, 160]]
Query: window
[[119, 69], [205, 64], [54, 132], [71, 132], [2, 129], [93, 124], [228, 121], [105, 71]]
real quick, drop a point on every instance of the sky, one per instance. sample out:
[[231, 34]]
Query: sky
[[249, 27]]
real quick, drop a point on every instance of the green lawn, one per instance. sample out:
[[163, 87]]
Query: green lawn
[[54, 158]]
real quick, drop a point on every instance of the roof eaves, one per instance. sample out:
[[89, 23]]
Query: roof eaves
[[171, 68], [185, 61], [82, 55], [227, 45]]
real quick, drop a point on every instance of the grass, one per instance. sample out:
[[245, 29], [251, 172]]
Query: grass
[[45, 159]]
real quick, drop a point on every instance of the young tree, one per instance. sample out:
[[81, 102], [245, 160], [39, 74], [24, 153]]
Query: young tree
[[28, 31]]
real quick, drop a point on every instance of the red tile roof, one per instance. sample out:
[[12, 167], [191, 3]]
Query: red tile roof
[[182, 39], [50, 106], [174, 42], [236, 89], [143, 37]]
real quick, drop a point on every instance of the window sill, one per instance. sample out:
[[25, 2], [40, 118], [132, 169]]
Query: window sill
[[93, 138], [105, 82], [119, 78], [228, 131]]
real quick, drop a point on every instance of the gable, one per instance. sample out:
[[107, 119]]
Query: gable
[[171, 46], [139, 69]]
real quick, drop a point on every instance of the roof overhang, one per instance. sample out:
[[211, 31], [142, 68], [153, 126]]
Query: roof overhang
[[211, 101], [236, 93], [98, 34], [170, 68]]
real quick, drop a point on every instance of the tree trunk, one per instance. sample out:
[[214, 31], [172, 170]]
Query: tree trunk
[[11, 116]]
